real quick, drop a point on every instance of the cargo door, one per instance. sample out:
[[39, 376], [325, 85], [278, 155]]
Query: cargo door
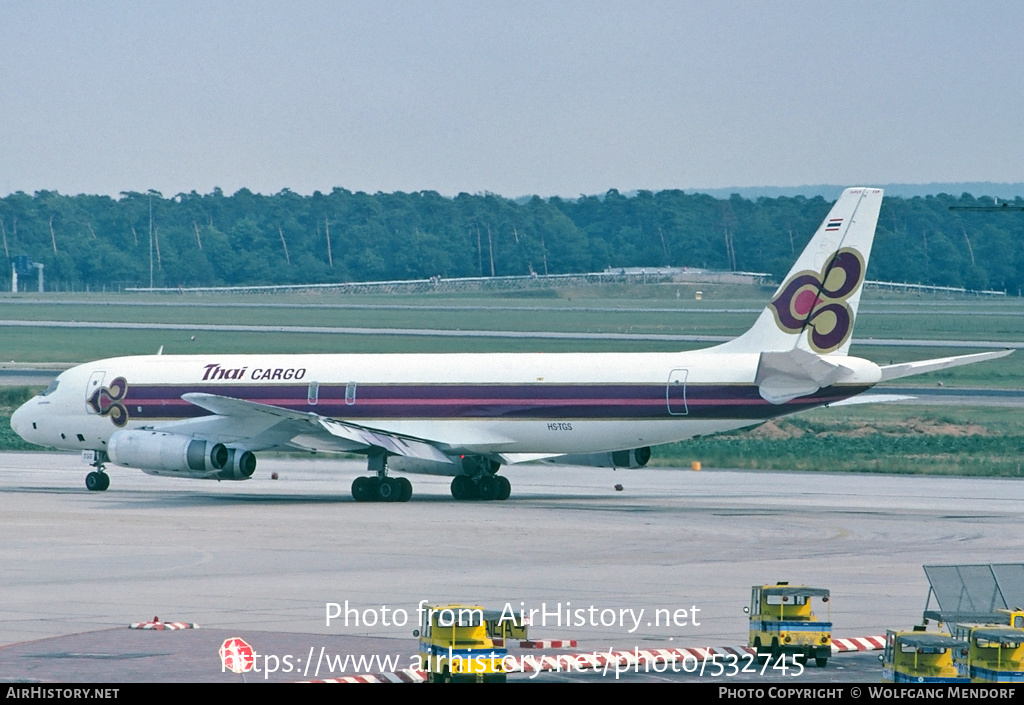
[[675, 393]]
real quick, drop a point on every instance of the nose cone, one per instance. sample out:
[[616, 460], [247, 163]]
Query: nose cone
[[20, 422]]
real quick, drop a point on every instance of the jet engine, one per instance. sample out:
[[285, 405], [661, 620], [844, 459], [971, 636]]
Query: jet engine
[[635, 458], [159, 453]]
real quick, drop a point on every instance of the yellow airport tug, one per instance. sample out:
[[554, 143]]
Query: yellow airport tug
[[990, 653], [455, 647], [782, 622], [920, 657]]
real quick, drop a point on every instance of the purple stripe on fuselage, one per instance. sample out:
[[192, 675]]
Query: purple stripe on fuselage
[[540, 402]]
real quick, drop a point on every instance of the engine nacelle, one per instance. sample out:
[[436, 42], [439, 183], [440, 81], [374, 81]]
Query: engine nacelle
[[240, 466], [159, 453], [635, 458]]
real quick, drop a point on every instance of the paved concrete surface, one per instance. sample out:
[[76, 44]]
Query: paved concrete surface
[[265, 557]]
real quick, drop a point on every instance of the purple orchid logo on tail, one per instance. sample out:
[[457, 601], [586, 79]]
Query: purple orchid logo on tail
[[817, 301]]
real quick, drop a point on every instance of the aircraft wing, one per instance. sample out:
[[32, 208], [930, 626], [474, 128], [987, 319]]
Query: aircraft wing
[[264, 426]]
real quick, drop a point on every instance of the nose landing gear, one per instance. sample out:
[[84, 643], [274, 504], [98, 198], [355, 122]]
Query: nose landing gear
[[98, 480]]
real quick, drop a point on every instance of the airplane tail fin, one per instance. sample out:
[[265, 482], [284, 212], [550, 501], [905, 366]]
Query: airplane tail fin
[[815, 307]]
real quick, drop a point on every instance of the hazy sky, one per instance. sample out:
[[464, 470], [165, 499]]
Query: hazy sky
[[553, 98]]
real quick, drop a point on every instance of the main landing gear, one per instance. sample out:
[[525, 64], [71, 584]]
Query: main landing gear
[[483, 487], [377, 489], [380, 487], [480, 480], [98, 480]]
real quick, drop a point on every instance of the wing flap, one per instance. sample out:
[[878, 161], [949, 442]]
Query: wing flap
[[276, 420], [396, 445]]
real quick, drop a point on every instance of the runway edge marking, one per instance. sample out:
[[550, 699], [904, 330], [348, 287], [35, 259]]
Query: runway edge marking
[[598, 660]]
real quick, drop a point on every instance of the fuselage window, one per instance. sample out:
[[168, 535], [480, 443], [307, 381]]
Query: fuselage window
[[313, 395], [350, 393]]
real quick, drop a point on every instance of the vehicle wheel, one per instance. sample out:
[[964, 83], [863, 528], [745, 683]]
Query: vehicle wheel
[[363, 489], [487, 488], [96, 482], [463, 487], [776, 650], [404, 489], [762, 656], [821, 661], [504, 487]]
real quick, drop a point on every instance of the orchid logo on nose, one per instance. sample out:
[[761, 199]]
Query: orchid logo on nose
[[817, 301], [106, 401]]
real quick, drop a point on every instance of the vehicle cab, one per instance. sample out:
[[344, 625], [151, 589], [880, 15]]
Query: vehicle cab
[[920, 657], [782, 621], [455, 647], [989, 653]]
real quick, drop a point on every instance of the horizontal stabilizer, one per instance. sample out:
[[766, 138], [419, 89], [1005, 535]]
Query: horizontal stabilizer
[[907, 369], [871, 399], [782, 376]]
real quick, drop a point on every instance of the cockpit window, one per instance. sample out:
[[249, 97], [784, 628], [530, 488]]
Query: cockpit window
[[51, 389]]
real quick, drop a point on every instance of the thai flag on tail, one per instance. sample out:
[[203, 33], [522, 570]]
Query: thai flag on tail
[[833, 224]]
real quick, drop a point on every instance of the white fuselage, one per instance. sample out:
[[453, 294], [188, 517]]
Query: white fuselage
[[479, 403]]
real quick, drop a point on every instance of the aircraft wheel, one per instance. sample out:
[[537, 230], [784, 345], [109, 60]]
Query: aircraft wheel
[[97, 481], [363, 489], [388, 490], [487, 488], [504, 487], [463, 487], [404, 489]]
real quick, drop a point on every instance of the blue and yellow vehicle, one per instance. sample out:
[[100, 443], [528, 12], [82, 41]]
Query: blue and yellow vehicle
[[920, 657], [990, 653], [502, 625], [1014, 617], [782, 621], [455, 647]]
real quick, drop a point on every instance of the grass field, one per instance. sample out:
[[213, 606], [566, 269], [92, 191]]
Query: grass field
[[903, 439], [870, 438]]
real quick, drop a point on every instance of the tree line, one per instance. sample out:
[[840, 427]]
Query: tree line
[[287, 238]]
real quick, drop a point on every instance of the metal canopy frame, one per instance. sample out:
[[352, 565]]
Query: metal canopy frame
[[974, 593]]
